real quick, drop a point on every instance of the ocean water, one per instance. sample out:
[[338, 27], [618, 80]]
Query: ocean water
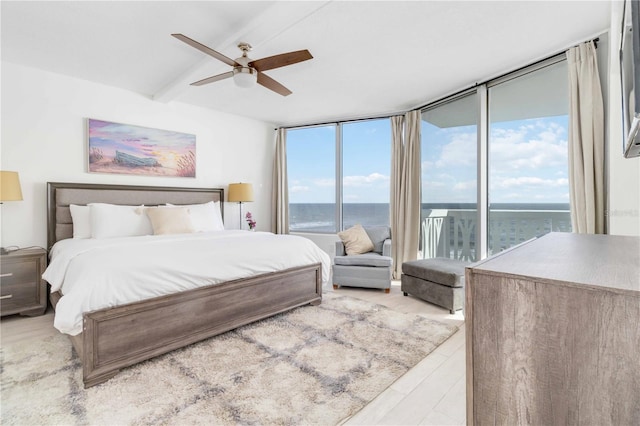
[[321, 217]]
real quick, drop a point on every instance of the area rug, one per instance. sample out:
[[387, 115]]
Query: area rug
[[312, 365]]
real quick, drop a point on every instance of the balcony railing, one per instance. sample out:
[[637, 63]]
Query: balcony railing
[[452, 233]]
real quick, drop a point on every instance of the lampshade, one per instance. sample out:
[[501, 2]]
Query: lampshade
[[240, 192], [245, 76], [10, 186]]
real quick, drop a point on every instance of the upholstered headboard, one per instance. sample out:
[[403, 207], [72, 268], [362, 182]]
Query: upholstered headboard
[[61, 195]]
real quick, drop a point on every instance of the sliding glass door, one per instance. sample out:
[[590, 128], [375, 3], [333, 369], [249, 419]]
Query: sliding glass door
[[528, 166], [494, 164], [449, 179]]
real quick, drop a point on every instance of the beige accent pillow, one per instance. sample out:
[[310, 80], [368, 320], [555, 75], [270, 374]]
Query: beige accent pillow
[[356, 240], [170, 220]]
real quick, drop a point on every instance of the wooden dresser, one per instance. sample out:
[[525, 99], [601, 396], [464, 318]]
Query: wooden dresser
[[553, 333], [22, 289]]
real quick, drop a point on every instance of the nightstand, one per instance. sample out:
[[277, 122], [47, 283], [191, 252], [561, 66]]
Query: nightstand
[[22, 289]]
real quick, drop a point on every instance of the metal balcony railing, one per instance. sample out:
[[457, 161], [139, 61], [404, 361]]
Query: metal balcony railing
[[452, 233]]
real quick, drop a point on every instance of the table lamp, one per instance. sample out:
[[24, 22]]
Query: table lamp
[[10, 187], [9, 191], [240, 193]]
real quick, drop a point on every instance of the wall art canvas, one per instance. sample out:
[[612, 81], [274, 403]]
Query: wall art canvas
[[126, 149]]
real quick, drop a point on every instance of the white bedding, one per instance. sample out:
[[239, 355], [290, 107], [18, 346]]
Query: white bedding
[[94, 274]]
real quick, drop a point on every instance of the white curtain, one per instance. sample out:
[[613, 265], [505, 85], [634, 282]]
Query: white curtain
[[586, 141], [396, 169], [405, 189], [280, 195]]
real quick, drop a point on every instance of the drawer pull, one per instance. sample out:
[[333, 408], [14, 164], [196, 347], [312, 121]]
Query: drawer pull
[[8, 296], [10, 274]]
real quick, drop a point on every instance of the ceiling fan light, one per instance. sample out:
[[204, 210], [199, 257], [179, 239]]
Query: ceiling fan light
[[245, 76]]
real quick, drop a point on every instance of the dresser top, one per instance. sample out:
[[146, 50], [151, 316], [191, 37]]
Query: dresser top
[[609, 261]]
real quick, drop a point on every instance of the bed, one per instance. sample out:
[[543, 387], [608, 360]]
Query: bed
[[116, 337]]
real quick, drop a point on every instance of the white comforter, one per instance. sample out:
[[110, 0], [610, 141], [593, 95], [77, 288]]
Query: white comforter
[[94, 274]]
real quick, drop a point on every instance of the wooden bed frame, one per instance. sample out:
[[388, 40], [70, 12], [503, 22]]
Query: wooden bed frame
[[118, 337]]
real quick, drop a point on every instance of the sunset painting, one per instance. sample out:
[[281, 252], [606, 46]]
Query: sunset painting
[[126, 149]]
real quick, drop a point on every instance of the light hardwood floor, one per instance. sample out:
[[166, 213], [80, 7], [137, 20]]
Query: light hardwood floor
[[431, 393]]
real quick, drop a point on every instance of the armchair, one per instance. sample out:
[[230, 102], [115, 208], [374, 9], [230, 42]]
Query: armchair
[[369, 270]]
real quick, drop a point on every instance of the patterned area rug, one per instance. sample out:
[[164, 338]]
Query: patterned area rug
[[313, 365]]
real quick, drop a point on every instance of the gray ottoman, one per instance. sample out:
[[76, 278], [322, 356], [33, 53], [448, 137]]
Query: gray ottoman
[[439, 281]]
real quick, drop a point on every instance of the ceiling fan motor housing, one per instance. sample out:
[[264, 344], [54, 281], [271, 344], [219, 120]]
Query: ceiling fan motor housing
[[244, 75]]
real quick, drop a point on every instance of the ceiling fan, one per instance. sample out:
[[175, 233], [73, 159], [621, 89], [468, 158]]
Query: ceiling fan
[[247, 71]]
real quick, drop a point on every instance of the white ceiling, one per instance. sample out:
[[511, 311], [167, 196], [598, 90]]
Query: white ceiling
[[370, 57]]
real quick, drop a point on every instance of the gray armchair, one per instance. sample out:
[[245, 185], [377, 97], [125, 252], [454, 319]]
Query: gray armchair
[[369, 270]]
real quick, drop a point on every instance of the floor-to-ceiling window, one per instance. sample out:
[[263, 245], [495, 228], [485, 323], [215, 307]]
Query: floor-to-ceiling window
[[366, 172], [494, 164], [528, 165], [356, 155], [449, 178], [494, 167], [311, 169]]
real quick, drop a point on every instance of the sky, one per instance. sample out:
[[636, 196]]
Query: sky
[[528, 162], [311, 157]]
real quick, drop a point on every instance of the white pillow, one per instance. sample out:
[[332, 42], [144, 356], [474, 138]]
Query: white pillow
[[204, 217], [170, 220], [81, 218], [110, 220]]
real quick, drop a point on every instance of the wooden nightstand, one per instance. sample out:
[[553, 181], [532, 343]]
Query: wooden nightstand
[[22, 289]]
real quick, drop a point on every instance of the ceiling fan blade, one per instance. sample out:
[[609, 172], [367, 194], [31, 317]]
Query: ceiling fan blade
[[209, 51], [214, 78], [271, 84], [281, 60]]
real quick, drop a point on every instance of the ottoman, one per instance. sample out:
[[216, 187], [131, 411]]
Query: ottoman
[[439, 281]]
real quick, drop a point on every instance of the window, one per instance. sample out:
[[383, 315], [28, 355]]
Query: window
[[449, 178], [483, 194], [356, 154], [528, 165], [494, 167], [366, 170], [311, 169]]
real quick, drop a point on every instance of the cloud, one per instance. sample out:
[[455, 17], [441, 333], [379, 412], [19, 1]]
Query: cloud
[[514, 149], [529, 189], [299, 188], [532, 145], [527, 161], [461, 151], [529, 182], [426, 164], [373, 178], [533, 198], [351, 198], [324, 182], [465, 186]]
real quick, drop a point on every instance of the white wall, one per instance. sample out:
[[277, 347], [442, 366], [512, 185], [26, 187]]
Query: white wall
[[624, 173], [44, 139]]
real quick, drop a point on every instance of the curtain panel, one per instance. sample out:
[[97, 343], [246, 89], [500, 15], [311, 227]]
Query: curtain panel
[[280, 194], [586, 141], [396, 202], [405, 189]]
